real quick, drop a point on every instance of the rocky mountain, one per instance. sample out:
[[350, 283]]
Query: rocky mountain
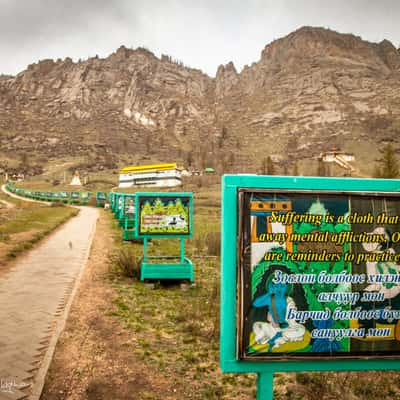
[[310, 91]]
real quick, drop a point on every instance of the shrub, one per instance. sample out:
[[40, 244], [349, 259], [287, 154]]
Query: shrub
[[126, 263], [213, 243], [4, 237], [198, 243], [57, 204]]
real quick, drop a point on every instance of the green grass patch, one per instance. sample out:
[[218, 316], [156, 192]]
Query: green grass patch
[[36, 221], [176, 329], [40, 218]]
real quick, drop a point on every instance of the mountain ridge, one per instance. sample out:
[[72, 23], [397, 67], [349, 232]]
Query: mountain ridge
[[311, 90]]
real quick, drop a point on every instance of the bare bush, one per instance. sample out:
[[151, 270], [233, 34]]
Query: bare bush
[[213, 243], [125, 262]]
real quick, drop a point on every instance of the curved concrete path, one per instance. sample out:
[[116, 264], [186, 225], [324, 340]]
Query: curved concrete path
[[35, 296], [7, 204], [7, 192]]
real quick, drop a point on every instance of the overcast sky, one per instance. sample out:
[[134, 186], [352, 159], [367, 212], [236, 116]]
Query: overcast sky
[[202, 34]]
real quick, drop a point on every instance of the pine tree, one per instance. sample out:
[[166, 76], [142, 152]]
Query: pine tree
[[295, 169], [270, 166], [321, 171], [147, 209], [264, 166], [189, 158], [267, 166], [389, 167], [285, 169], [158, 207]]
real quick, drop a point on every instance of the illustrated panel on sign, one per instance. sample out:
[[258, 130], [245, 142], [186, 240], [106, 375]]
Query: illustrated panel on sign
[[318, 275], [164, 215]]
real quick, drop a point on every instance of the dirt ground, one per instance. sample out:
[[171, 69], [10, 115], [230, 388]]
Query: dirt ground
[[23, 224], [97, 358], [6, 262], [94, 357]]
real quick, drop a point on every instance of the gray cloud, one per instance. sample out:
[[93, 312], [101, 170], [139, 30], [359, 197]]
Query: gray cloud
[[48, 19], [203, 34]]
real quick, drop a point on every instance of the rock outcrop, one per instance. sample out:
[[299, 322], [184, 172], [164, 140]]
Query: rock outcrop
[[310, 90]]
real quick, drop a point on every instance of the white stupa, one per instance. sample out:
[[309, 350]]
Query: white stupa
[[76, 180]]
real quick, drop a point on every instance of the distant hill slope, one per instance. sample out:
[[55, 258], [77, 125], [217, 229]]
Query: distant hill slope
[[310, 91]]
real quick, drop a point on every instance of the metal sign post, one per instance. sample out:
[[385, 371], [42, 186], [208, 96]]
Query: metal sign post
[[265, 386], [128, 218]]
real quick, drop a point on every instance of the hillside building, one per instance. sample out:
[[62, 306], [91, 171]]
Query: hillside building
[[338, 157], [155, 175], [76, 180]]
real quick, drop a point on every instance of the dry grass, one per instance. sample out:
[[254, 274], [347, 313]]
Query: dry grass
[[213, 243], [125, 263], [175, 332], [27, 223]]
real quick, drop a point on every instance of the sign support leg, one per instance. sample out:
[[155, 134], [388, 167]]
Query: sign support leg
[[122, 212], [145, 249], [182, 250], [265, 386]]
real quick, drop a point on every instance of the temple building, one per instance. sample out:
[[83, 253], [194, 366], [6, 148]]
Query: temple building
[[156, 175]]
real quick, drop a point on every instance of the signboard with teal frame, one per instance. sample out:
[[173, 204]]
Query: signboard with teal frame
[[310, 275], [165, 215]]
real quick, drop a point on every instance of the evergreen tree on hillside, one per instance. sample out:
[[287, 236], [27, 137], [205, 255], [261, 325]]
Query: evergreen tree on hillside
[[295, 169], [264, 166], [267, 166], [270, 166], [321, 170], [388, 166]]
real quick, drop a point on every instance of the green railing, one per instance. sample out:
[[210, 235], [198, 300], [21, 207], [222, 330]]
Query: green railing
[[121, 204], [80, 198]]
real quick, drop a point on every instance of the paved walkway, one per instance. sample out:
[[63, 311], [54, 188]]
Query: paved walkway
[[4, 189], [7, 204], [34, 300]]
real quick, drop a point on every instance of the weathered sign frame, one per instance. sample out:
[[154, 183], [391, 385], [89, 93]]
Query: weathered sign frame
[[165, 267], [171, 195], [230, 362]]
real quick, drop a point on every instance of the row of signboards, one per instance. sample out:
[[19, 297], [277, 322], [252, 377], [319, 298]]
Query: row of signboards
[[78, 197], [157, 214], [310, 269]]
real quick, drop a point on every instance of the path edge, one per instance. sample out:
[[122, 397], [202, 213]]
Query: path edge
[[7, 192], [40, 378]]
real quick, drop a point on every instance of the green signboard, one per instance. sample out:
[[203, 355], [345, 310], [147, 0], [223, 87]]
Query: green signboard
[[310, 275], [164, 214]]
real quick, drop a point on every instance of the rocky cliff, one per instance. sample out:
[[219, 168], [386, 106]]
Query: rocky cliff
[[310, 91]]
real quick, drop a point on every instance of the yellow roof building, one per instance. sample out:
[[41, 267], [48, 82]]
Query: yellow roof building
[[158, 175], [148, 168]]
